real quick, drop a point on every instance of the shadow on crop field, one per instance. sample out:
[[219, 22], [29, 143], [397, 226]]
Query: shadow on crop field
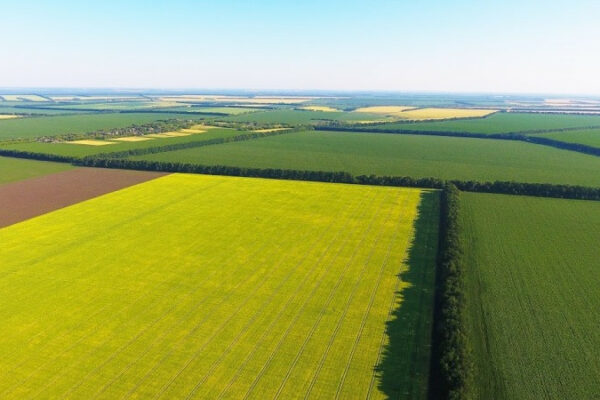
[[403, 369]]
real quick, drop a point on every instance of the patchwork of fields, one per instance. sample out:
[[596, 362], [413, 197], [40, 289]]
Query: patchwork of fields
[[302, 117], [59, 125], [219, 287], [501, 123], [72, 149], [403, 155], [532, 294], [138, 284]]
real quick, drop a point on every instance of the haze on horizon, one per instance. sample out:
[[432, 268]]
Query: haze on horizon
[[460, 46]]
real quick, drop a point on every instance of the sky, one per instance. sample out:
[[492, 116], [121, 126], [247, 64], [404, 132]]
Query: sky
[[483, 46]]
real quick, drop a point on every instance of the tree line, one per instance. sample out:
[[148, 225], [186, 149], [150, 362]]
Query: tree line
[[513, 188], [581, 148], [451, 361]]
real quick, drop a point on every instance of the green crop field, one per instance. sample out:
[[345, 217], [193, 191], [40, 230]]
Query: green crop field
[[16, 169], [532, 294], [58, 125], [405, 155], [501, 123], [302, 117], [589, 137], [77, 150], [34, 111], [192, 286]]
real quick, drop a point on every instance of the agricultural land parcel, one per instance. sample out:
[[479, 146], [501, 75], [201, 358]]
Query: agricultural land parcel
[[532, 294], [500, 123], [58, 125], [79, 150], [401, 155], [303, 117], [588, 137], [426, 113], [300, 309]]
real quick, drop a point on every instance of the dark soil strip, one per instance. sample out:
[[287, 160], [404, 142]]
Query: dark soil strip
[[32, 197]]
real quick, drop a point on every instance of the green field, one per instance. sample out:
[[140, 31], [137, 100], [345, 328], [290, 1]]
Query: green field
[[404, 155], [58, 125], [532, 293], [174, 294], [16, 169], [589, 137], [34, 111], [500, 123], [77, 150], [302, 117]]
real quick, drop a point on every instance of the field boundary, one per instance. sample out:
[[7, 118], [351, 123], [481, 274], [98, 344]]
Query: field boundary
[[516, 136], [451, 363], [501, 187]]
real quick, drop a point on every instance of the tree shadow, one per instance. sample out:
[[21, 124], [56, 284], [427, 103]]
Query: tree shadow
[[404, 367]]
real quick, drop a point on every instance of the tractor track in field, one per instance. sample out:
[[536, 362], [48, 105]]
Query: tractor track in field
[[299, 313], [249, 357], [337, 327], [373, 294], [197, 305], [300, 262], [318, 321]]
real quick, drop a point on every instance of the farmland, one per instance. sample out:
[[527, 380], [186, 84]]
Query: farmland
[[208, 308], [532, 296], [59, 125], [404, 155], [15, 169], [589, 137], [410, 113], [302, 117], [105, 146], [500, 123]]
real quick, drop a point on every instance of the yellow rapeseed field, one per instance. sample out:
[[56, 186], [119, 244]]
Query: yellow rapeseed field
[[207, 287], [320, 108], [443, 113], [133, 138], [91, 142], [385, 110]]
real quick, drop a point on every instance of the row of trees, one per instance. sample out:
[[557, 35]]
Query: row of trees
[[514, 188], [452, 366], [581, 148]]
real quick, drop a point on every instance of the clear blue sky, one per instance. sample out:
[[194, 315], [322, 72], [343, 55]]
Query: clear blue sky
[[461, 45]]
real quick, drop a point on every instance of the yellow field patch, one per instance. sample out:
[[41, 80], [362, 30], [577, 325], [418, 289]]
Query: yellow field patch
[[193, 130], [132, 139], [385, 110], [23, 97], [9, 116], [413, 113], [320, 108], [238, 99], [175, 134], [443, 113], [271, 130], [204, 127], [91, 142], [92, 98]]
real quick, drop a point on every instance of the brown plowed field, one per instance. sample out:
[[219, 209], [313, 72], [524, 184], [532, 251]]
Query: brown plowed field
[[32, 197]]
